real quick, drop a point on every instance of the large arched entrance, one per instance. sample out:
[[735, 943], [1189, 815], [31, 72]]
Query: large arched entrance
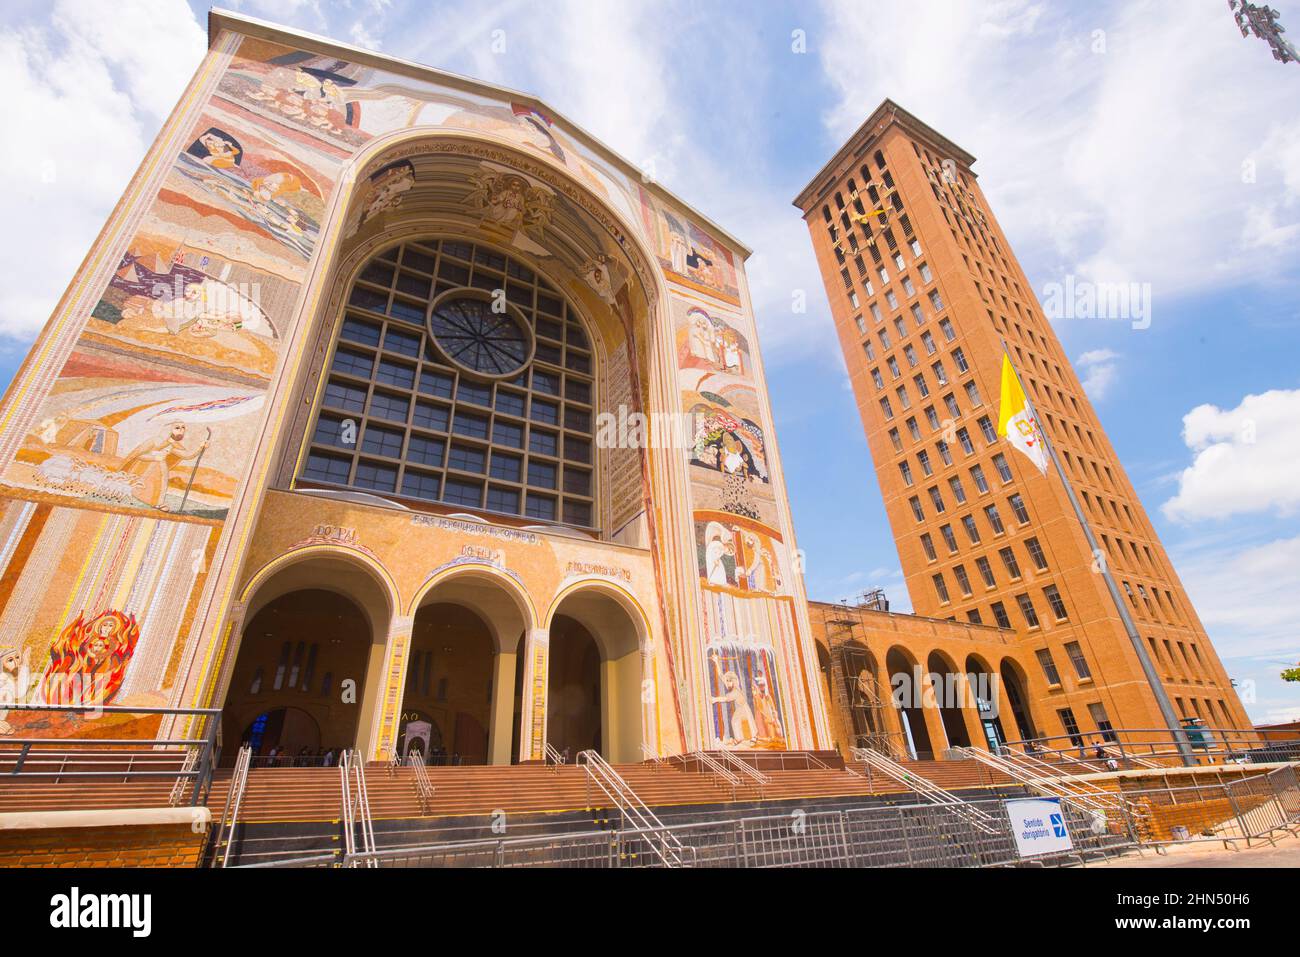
[[984, 693], [447, 698], [594, 691], [907, 698], [461, 696], [862, 693], [950, 694], [573, 718], [301, 675], [1013, 679], [315, 626]]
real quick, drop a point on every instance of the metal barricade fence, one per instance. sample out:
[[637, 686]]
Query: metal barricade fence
[[884, 836], [1286, 783]]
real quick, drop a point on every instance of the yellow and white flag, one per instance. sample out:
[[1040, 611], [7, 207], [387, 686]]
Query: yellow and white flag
[[1017, 421]]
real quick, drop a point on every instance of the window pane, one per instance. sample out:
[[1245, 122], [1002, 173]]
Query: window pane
[[386, 353]]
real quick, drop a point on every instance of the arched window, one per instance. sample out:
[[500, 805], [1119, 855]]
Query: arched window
[[463, 377]]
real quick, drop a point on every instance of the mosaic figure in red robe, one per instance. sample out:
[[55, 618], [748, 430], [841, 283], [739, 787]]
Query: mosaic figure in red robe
[[89, 659]]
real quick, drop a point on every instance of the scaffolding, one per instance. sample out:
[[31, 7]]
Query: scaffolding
[[856, 689]]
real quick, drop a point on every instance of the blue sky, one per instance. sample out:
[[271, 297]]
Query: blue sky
[[1124, 141]]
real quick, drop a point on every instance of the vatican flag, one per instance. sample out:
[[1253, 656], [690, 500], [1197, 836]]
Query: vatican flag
[[1017, 421]]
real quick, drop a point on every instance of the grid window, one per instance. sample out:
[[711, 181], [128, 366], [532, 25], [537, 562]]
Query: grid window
[[963, 580], [940, 588], [375, 475], [386, 442], [1071, 726], [397, 384], [927, 544], [1048, 665], [995, 520], [1102, 720], [1000, 615], [1027, 609], [1017, 504], [949, 537], [1053, 596], [986, 571], [1036, 554]]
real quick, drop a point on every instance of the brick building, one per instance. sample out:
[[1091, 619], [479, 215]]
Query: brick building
[[924, 289]]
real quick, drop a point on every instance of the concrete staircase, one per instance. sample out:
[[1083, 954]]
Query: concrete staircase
[[27, 792]]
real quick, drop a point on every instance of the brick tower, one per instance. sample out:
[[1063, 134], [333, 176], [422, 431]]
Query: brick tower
[[924, 288]]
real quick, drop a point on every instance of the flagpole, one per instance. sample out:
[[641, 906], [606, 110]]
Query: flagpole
[[1139, 646]]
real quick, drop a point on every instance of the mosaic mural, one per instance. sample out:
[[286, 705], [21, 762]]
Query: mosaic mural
[[135, 445]]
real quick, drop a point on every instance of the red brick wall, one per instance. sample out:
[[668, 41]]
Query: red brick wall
[[154, 845]]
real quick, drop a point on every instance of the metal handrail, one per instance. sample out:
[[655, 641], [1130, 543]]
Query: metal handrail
[[423, 786], [38, 750], [1206, 742], [553, 757], [1048, 780], [356, 806], [1119, 754], [178, 788], [345, 797], [650, 754], [756, 777], [716, 768], [926, 788], [234, 801], [667, 848]]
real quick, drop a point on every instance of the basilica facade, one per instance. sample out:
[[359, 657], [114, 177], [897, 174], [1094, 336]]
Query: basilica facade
[[338, 429]]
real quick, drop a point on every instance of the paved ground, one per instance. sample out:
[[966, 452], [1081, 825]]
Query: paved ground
[[1285, 854]]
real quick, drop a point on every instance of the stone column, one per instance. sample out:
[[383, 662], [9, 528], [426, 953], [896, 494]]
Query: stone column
[[387, 712], [532, 731], [504, 665], [934, 721]]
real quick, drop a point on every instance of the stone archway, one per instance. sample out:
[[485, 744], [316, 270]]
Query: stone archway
[[468, 631], [950, 693], [1016, 685], [907, 696], [984, 690], [311, 650], [603, 619]]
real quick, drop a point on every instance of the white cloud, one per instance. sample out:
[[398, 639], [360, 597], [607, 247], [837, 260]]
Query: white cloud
[[1247, 459], [88, 94], [671, 100], [1100, 369], [1246, 596], [1122, 165]]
